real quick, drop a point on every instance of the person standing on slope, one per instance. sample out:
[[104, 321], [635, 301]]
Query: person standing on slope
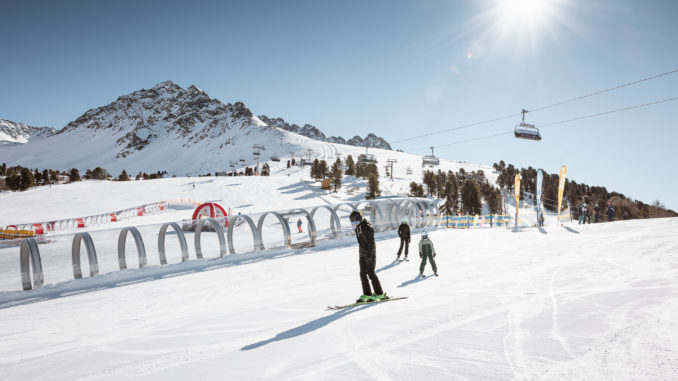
[[299, 225], [368, 259], [427, 251], [404, 234], [610, 213]]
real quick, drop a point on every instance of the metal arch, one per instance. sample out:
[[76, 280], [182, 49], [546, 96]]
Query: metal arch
[[180, 236], [336, 207], [398, 212], [220, 236], [311, 223], [29, 257], [426, 211], [334, 219], [434, 205], [375, 206], [286, 229], [231, 225], [141, 250], [91, 255], [413, 205], [312, 231]]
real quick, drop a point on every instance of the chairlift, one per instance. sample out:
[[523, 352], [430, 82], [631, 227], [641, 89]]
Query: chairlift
[[409, 170], [526, 131], [367, 158], [275, 157], [430, 160]]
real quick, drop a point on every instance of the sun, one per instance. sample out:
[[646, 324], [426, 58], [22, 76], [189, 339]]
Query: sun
[[524, 14]]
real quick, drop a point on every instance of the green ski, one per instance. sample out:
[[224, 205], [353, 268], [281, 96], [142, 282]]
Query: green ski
[[362, 303]]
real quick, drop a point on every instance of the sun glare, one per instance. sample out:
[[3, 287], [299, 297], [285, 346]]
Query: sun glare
[[524, 14]]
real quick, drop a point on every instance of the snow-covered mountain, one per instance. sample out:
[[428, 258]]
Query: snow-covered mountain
[[167, 127], [310, 131], [12, 133]]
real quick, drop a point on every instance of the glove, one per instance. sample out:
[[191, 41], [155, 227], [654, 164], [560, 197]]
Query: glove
[[434, 255], [421, 255]]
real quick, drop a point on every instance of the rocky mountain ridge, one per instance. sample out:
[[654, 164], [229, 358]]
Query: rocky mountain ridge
[[12, 133], [310, 131]]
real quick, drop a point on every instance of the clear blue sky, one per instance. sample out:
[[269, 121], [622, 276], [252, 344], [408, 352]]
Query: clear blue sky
[[395, 68]]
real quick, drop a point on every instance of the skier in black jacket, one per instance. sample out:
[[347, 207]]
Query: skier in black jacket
[[404, 234], [368, 258]]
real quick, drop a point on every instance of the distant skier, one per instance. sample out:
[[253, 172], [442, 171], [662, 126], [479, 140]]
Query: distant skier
[[596, 213], [427, 251], [299, 225], [367, 259], [404, 234], [540, 219], [610, 213], [582, 213]]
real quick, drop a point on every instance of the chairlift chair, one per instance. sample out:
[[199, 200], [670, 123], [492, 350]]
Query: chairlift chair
[[275, 157], [367, 158], [526, 131], [430, 160]]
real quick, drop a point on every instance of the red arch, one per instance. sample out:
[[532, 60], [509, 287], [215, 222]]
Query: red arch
[[210, 210]]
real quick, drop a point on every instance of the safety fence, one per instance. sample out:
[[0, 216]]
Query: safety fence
[[476, 221], [73, 224], [59, 257]]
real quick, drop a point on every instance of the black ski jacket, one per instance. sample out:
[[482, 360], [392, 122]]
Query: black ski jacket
[[365, 235], [404, 231]]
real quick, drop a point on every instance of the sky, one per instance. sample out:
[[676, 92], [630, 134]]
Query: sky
[[400, 69]]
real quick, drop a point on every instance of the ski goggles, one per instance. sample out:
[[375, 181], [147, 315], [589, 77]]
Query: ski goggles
[[355, 223]]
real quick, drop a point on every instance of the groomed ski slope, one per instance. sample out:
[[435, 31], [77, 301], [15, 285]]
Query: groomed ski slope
[[574, 302]]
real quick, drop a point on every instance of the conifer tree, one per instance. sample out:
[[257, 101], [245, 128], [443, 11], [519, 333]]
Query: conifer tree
[[372, 187], [350, 166], [470, 197], [123, 176], [336, 174]]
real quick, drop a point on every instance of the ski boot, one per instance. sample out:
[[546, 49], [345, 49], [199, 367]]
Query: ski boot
[[365, 299], [378, 297]]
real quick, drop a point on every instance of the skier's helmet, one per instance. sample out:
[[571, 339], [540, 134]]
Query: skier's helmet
[[355, 216], [404, 220], [424, 236]]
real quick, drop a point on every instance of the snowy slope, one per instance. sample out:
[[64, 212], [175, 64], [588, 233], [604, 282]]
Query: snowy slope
[[591, 302]]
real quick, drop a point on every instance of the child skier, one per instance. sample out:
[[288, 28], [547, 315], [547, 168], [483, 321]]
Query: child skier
[[426, 250]]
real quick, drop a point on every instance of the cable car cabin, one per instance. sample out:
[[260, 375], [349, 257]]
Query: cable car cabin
[[527, 131], [275, 158], [430, 160], [367, 158]]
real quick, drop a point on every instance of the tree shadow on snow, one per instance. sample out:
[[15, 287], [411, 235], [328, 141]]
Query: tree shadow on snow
[[307, 327]]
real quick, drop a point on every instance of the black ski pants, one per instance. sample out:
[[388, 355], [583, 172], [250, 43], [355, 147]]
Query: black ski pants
[[367, 266], [406, 243]]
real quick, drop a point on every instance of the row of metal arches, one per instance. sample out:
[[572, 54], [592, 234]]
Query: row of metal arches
[[384, 214]]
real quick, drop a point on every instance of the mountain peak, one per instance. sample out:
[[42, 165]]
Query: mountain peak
[[166, 85]]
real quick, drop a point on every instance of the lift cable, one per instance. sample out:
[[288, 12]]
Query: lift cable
[[533, 110], [554, 123]]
